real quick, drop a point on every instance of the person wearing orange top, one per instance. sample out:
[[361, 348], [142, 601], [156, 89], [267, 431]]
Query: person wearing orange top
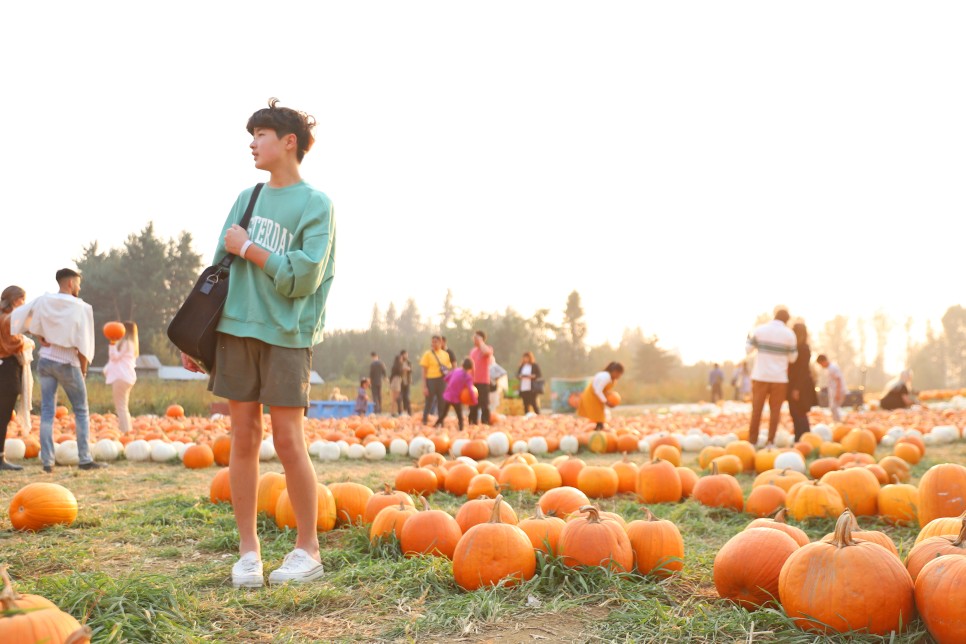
[[594, 398]]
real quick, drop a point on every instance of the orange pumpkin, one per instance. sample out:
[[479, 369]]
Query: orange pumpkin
[[778, 523], [40, 505], [598, 482], [416, 480], [270, 486], [543, 531], [657, 545], [940, 597], [562, 501], [113, 331], [658, 482], [351, 500], [387, 498], [222, 449], [390, 520], [747, 567], [430, 532], [569, 469], [927, 550], [846, 585], [590, 541], [285, 514], [718, 491], [31, 618], [813, 499], [492, 553], [198, 457], [942, 492], [765, 500], [221, 488], [477, 511]]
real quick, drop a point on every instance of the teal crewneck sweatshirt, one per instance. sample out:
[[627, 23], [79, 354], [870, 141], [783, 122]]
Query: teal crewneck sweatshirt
[[284, 304]]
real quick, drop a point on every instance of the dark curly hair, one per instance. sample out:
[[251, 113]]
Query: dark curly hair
[[285, 121]]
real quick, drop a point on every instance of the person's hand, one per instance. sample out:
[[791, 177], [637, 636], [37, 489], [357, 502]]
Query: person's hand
[[189, 364], [425, 392], [795, 395], [43, 341], [235, 238]]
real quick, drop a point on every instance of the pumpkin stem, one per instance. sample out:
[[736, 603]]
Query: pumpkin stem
[[592, 511], [495, 517], [962, 535], [539, 513], [648, 515], [388, 489], [843, 530], [9, 594], [714, 468], [425, 503], [82, 634], [780, 516]]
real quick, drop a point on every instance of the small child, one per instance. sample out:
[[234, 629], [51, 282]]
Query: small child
[[362, 397], [456, 381]]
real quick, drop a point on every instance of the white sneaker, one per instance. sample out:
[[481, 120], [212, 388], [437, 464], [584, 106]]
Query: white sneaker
[[247, 571], [298, 566]]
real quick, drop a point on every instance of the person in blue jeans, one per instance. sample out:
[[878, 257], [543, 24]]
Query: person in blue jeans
[[66, 348]]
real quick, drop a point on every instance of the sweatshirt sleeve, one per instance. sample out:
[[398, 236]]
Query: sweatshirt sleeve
[[299, 272], [601, 380]]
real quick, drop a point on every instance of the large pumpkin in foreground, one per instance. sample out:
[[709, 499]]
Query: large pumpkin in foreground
[[31, 618], [940, 595], [942, 492], [747, 567], [846, 585], [40, 505], [493, 552]]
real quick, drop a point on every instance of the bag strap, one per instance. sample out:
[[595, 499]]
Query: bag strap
[[245, 220], [442, 369]]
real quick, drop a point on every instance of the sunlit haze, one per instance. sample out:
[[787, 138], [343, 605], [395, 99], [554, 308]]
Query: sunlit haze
[[683, 166]]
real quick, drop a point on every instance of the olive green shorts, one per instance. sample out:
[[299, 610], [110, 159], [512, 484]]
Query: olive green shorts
[[249, 370]]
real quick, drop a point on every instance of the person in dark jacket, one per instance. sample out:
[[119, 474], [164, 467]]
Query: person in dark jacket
[[377, 373], [801, 386], [529, 373], [898, 393]]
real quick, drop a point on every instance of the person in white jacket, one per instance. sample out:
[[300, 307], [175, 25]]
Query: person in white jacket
[[776, 348], [64, 325], [119, 372]]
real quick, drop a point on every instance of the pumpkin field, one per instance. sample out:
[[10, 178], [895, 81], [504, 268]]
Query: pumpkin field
[[638, 533]]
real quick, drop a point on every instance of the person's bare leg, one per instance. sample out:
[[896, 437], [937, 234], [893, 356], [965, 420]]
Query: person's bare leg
[[246, 441], [300, 478]]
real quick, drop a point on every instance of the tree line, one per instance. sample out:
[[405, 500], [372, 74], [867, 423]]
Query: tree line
[[147, 279]]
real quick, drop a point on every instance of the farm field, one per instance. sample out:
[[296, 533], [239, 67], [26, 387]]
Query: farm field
[[149, 556]]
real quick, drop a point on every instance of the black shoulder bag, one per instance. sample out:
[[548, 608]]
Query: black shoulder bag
[[193, 328]]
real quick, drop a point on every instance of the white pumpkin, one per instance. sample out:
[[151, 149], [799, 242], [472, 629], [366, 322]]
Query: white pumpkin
[[375, 451], [398, 447], [420, 446], [693, 442], [456, 447], [519, 447], [105, 450], [14, 449], [537, 445], [896, 432], [644, 446], [343, 448], [266, 452], [182, 448], [466, 459], [356, 451], [792, 459], [784, 438], [316, 447], [888, 440], [330, 451], [137, 450], [120, 448], [162, 452], [66, 453], [499, 443], [720, 440], [823, 431], [569, 444]]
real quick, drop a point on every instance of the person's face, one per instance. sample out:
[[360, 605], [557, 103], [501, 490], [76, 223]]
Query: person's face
[[74, 286], [616, 375], [405, 355], [477, 340], [526, 359], [19, 301], [435, 344], [268, 149]]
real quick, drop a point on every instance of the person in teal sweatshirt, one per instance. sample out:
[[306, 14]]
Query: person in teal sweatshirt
[[273, 316]]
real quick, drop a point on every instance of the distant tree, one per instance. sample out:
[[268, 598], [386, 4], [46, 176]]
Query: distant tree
[[392, 318], [409, 323], [146, 281], [653, 363], [835, 341], [954, 334], [375, 324], [928, 361], [575, 332], [882, 325], [448, 312]]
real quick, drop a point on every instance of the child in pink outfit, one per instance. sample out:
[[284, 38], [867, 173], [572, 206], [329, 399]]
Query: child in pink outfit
[[456, 381]]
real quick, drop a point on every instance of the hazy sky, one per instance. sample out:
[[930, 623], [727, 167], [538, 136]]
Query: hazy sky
[[685, 166]]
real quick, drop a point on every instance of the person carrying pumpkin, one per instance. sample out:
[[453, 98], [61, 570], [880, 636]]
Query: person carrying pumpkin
[[458, 381], [594, 398], [273, 316], [13, 356]]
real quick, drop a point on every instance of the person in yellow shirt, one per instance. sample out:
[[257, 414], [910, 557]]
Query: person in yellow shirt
[[435, 364]]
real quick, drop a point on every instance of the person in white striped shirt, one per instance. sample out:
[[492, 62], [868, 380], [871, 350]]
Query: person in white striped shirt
[[776, 348]]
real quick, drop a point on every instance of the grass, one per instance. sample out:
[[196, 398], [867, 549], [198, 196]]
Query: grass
[[148, 560]]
